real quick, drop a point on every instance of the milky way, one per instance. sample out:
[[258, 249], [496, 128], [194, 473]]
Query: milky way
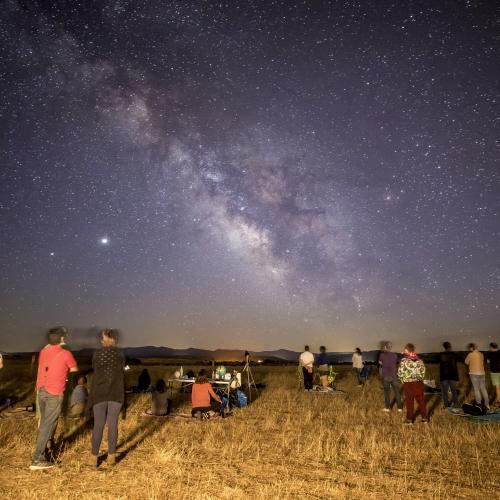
[[250, 174]]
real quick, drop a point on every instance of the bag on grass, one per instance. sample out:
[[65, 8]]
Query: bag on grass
[[473, 409], [242, 399]]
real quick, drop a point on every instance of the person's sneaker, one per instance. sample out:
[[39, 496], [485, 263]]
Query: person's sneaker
[[408, 422], [111, 459], [387, 410], [400, 410], [425, 421], [41, 465]]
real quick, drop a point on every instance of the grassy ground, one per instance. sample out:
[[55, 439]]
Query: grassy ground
[[286, 444]]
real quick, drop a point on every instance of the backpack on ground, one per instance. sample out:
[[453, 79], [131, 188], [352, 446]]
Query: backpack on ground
[[474, 409], [242, 399]]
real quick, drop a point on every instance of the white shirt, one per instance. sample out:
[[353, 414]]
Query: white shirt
[[357, 360], [306, 359]]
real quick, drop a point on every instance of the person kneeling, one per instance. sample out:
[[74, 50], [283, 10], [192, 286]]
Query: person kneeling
[[205, 402]]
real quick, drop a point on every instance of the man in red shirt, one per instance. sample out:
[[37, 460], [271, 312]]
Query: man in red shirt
[[54, 363]]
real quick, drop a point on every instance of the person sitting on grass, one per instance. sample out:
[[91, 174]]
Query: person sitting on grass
[[203, 398], [78, 401], [159, 400], [411, 372], [144, 381]]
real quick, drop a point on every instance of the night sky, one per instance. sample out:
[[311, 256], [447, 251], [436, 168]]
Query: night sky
[[250, 174]]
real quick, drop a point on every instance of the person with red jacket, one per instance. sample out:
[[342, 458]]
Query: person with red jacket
[[201, 395], [54, 363]]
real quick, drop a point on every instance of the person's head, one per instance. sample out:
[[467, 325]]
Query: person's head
[[471, 347], [447, 346], [109, 337], [409, 348], [306, 348], [322, 349], [388, 346], [82, 380], [160, 385], [358, 350], [56, 335], [202, 377], [493, 346]]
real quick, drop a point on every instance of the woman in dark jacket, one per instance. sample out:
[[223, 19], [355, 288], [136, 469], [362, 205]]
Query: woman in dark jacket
[[448, 375], [107, 394]]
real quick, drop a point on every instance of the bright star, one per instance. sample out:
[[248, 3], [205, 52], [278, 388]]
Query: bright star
[[104, 240]]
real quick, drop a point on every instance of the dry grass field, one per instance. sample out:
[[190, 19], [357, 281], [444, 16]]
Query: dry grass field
[[286, 444]]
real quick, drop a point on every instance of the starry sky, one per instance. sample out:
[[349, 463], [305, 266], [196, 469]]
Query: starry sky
[[250, 174]]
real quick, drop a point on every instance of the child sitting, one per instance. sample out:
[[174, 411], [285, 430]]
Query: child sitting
[[79, 397]]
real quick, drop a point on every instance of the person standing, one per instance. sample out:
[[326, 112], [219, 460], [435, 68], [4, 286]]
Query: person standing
[[54, 364], [411, 372], [107, 394], [494, 361], [306, 361], [388, 361], [448, 375], [475, 362], [322, 364], [357, 364]]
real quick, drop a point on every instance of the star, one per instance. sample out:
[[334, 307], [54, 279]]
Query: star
[[104, 240]]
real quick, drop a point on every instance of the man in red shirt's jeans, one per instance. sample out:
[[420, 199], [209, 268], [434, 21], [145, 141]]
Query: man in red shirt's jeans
[[54, 363]]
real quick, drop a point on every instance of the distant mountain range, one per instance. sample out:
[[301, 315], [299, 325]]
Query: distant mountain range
[[239, 354], [278, 355]]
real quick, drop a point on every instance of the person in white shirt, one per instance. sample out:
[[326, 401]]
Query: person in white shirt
[[357, 364], [306, 360]]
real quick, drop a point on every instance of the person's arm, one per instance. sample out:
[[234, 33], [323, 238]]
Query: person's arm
[[401, 371], [422, 369], [1, 361], [467, 359], [212, 393], [71, 362]]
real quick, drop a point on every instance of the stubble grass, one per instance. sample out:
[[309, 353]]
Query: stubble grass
[[286, 444]]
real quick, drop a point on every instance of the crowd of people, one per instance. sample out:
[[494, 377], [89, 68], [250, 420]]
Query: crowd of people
[[409, 373], [106, 397]]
